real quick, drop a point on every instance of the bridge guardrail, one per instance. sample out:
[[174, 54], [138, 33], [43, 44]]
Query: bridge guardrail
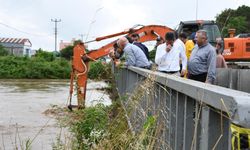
[[193, 115]]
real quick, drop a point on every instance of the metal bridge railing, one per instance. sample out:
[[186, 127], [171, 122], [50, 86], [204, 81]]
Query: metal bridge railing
[[190, 114]]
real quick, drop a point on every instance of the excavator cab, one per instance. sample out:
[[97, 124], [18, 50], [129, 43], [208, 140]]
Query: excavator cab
[[211, 27]]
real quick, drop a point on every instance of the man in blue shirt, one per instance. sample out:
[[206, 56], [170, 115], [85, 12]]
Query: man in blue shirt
[[202, 63], [134, 56]]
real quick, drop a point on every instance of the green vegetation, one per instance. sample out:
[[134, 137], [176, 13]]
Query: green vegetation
[[67, 52], [152, 55], [44, 65], [3, 51], [238, 19], [90, 128], [33, 68], [99, 71], [48, 56], [107, 127]]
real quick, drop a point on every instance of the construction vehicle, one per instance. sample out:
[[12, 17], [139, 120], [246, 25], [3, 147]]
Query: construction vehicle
[[237, 50], [81, 58], [189, 27]]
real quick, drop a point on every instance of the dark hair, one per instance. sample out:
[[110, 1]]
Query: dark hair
[[183, 35], [135, 35], [159, 38], [170, 36], [115, 46], [129, 39]]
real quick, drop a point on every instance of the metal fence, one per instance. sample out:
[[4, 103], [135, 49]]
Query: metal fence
[[190, 114]]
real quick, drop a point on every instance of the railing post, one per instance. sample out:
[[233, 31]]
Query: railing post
[[204, 128]]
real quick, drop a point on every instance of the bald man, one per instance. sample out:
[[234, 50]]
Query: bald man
[[134, 56]]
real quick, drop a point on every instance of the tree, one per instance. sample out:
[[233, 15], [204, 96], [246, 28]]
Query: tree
[[48, 56], [67, 52], [238, 19], [238, 23], [3, 51]]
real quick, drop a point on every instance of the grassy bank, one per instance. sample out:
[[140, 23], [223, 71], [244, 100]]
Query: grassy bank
[[106, 127], [33, 68], [43, 68]]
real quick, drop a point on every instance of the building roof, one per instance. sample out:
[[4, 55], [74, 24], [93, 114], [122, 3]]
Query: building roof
[[14, 40]]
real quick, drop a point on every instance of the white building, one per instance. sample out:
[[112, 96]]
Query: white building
[[17, 46]]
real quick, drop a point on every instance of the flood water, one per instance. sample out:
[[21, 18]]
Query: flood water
[[23, 103]]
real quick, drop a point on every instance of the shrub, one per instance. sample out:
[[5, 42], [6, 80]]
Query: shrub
[[33, 68], [3, 51], [98, 70], [91, 126]]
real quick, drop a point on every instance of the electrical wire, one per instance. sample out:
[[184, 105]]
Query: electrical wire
[[21, 31]]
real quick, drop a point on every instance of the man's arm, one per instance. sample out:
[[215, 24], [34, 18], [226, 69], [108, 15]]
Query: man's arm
[[184, 60], [211, 63], [160, 52], [224, 62]]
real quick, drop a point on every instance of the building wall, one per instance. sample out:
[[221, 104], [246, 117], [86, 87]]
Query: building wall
[[17, 49]]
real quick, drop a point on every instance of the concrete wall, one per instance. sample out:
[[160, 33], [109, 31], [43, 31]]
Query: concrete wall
[[237, 79]]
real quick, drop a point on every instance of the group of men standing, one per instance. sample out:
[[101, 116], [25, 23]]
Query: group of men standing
[[173, 56]]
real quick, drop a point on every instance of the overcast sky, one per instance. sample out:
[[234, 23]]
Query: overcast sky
[[32, 18]]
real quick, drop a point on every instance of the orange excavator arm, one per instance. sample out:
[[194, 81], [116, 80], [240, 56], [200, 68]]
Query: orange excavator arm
[[81, 58]]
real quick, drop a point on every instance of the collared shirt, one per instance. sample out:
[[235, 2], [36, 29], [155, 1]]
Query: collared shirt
[[134, 56], [143, 48], [170, 61], [203, 60]]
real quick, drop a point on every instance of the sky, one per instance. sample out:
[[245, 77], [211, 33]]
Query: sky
[[93, 18]]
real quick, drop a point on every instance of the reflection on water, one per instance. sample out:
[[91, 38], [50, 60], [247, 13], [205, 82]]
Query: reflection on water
[[23, 103]]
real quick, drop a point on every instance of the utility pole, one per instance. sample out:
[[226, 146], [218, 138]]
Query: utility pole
[[196, 10], [81, 35], [56, 21]]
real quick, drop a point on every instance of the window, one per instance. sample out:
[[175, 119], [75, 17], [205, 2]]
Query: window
[[248, 47], [231, 46], [213, 33]]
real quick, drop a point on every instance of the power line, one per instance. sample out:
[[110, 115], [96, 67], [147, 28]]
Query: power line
[[92, 22], [81, 35], [56, 21], [196, 10], [21, 31]]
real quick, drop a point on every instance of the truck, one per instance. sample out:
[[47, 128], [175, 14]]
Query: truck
[[189, 27]]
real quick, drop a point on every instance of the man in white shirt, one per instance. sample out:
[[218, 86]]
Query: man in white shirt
[[168, 56]]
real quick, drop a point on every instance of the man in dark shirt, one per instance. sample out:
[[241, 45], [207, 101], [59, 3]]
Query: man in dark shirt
[[135, 40]]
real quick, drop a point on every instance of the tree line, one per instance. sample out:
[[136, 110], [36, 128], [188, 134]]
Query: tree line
[[238, 19]]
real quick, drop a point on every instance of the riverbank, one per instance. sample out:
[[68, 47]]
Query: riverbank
[[23, 103]]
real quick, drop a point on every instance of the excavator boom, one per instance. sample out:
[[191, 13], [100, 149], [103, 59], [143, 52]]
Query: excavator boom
[[81, 58]]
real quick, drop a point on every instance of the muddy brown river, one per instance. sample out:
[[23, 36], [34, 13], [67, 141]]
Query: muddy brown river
[[22, 103]]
